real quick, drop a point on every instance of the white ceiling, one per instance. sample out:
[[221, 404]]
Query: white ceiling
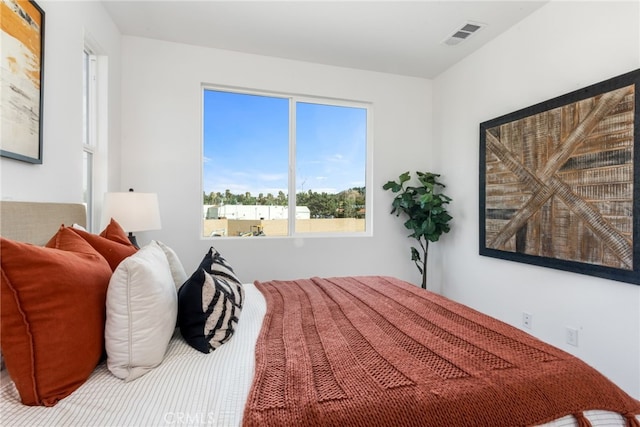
[[399, 37]]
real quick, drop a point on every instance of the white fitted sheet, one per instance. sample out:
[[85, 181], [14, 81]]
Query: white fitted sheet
[[189, 388]]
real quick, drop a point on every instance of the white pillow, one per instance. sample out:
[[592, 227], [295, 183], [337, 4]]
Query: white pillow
[[142, 309], [177, 270]]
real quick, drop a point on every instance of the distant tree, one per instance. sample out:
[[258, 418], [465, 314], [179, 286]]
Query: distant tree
[[282, 199], [270, 199], [206, 200], [212, 198], [349, 203]]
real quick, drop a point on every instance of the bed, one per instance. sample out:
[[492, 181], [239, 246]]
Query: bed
[[342, 351]]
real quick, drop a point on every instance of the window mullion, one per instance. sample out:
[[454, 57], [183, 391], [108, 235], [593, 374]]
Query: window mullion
[[93, 96], [291, 223], [90, 132]]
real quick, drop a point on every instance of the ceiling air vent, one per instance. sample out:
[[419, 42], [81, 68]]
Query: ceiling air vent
[[463, 33]]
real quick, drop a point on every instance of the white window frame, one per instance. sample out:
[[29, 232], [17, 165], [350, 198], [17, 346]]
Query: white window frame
[[293, 99], [90, 134], [96, 145]]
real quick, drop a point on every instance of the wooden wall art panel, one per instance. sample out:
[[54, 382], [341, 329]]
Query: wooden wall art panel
[[560, 182]]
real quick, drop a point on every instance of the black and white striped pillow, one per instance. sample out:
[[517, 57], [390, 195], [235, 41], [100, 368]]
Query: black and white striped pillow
[[210, 303]]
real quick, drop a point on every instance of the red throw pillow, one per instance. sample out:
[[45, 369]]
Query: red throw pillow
[[53, 315], [113, 243], [113, 231]]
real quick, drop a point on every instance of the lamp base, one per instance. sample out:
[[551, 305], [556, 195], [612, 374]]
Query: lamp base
[[133, 240]]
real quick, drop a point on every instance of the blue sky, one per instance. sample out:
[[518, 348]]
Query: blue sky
[[246, 140]]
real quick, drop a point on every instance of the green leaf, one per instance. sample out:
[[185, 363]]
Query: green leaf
[[429, 227], [404, 177], [425, 199], [415, 255], [445, 217], [393, 186], [411, 224]]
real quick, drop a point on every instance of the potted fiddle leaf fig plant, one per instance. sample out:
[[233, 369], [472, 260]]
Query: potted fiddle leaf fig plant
[[425, 209]]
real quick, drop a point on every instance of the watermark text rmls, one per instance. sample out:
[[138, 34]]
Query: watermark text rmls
[[190, 418]]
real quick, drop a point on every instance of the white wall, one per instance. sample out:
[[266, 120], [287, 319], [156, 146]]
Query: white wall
[[560, 48], [161, 152], [59, 178]]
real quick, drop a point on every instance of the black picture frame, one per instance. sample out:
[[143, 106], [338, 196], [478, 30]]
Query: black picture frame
[[560, 182], [23, 71]]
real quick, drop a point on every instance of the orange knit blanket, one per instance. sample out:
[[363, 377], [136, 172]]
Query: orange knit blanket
[[377, 351]]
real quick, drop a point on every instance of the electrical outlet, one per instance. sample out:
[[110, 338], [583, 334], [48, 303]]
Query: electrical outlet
[[527, 320], [572, 336]]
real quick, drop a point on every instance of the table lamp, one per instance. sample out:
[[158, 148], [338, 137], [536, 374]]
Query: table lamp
[[133, 211]]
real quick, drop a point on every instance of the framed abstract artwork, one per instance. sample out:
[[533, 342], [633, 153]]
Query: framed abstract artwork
[[22, 40], [560, 182]]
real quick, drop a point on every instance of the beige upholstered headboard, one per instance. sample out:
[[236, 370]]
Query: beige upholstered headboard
[[36, 222]]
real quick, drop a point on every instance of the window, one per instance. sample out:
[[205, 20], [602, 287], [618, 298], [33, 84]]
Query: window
[[269, 158], [95, 128], [89, 134]]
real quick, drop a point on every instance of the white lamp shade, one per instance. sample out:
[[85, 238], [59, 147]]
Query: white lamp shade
[[133, 211]]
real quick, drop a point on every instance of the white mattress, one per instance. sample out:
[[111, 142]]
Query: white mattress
[[188, 388]]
